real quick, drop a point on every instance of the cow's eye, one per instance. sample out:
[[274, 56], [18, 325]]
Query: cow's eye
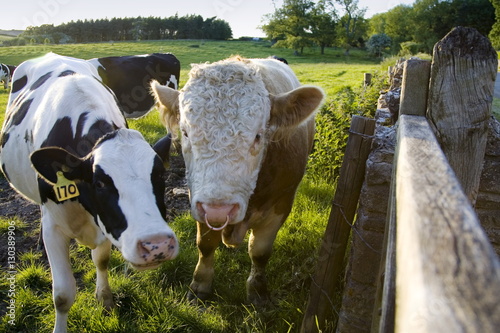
[[99, 185], [184, 133]]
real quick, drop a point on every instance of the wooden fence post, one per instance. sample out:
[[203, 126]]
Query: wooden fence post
[[330, 263], [367, 79], [415, 87], [463, 73]]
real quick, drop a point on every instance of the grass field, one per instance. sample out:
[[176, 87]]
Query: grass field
[[155, 301], [4, 37], [329, 71]]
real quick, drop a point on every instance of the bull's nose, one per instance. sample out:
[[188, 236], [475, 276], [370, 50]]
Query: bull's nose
[[157, 249], [217, 214]]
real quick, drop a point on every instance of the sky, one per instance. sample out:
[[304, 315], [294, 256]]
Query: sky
[[244, 16]]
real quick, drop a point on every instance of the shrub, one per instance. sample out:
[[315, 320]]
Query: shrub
[[332, 126], [378, 43], [17, 41]]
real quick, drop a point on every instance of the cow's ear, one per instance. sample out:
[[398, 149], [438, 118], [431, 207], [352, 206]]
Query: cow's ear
[[168, 99], [162, 148], [50, 160], [292, 108]]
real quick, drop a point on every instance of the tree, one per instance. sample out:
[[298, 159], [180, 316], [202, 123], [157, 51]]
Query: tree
[[494, 34], [352, 25], [433, 19], [290, 25], [376, 24], [323, 24], [477, 14], [399, 26]]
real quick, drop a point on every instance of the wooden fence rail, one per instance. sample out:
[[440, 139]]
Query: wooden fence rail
[[448, 276], [442, 274]]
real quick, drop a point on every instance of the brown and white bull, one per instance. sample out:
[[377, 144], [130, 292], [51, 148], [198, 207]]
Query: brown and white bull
[[247, 129]]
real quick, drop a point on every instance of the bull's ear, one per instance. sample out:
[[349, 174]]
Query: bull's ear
[[50, 160], [168, 99], [292, 108]]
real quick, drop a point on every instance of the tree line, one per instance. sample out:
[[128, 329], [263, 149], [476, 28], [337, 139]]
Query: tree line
[[127, 29], [409, 28], [297, 24]]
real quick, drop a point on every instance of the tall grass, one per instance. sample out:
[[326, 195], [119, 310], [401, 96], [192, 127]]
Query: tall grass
[[155, 301]]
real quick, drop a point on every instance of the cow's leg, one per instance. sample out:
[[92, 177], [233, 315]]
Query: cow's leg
[[260, 247], [100, 256], [63, 281], [207, 241]]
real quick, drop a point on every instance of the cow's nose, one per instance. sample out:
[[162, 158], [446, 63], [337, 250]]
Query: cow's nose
[[158, 248], [217, 216]]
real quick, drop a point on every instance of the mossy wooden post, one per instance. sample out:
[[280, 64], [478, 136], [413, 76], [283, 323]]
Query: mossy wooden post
[[463, 73], [330, 263]]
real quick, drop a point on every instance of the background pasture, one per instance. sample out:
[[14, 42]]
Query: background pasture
[[155, 301]]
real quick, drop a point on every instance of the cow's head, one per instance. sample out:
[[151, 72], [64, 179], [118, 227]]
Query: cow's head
[[228, 118], [121, 183]]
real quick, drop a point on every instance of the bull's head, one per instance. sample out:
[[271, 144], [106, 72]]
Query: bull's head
[[227, 118]]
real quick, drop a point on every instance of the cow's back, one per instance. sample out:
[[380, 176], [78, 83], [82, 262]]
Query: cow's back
[[129, 78], [31, 71]]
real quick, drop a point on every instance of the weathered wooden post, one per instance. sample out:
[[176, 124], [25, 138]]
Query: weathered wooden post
[[415, 87], [331, 254], [464, 69], [367, 79]]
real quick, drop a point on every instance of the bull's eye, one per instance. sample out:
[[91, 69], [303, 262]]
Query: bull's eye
[[184, 133], [256, 144]]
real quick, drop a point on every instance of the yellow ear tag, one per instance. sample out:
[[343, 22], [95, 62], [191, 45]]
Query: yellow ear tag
[[64, 188]]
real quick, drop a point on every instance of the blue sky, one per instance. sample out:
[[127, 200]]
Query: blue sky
[[244, 16]]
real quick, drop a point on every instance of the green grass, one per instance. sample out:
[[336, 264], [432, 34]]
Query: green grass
[[5, 37], [496, 108], [155, 301]]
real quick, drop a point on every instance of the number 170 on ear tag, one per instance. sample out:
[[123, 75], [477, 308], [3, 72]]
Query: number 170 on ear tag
[[64, 188]]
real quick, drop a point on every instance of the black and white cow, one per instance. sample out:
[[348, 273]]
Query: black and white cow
[[6, 72], [65, 145], [129, 77]]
